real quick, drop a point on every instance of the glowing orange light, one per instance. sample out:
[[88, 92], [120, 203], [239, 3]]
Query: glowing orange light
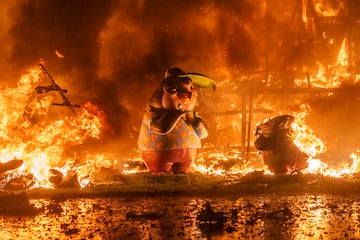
[[30, 133]]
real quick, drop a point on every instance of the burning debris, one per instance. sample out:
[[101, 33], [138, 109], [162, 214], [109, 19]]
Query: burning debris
[[55, 87], [70, 180], [18, 181], [13, 181], [275, 138], [10, 165]]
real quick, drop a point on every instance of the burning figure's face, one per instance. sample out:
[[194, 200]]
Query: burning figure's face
[[179, 94]]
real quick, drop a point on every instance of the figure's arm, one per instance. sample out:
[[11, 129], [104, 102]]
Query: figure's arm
[[198, 124]]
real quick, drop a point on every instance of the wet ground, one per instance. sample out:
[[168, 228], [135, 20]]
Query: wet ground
[[254, 216]]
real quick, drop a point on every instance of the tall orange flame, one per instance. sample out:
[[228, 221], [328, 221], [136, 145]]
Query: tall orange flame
[[30, 129]]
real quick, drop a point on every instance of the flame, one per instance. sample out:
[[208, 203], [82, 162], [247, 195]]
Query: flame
[[355, 167], [323, 8], [59, 54], [305, 138], [330, 76], [343, 58], [318, 167], [33, 131]]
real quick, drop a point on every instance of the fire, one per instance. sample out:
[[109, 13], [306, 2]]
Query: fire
[[32, 130], [323, 8], [313, 146], [305, 138], [355, 167], [343, 58], [59, 54], [330, 76]]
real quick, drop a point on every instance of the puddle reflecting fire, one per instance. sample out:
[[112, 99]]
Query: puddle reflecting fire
[[248, 217]]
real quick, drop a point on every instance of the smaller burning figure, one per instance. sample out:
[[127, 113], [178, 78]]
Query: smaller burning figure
[[171, 130], [275, 138]]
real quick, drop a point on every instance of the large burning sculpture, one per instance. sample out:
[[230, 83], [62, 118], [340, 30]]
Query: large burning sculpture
[[275, 138], [171, 130]]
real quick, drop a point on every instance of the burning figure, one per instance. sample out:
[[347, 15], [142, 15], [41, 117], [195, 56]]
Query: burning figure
[[171, 130], [275, 138]]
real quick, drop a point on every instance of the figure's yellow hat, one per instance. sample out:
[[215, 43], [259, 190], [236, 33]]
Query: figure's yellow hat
[[198, 79]]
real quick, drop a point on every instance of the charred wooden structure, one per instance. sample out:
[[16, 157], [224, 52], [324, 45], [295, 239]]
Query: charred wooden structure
[[312, 37]]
